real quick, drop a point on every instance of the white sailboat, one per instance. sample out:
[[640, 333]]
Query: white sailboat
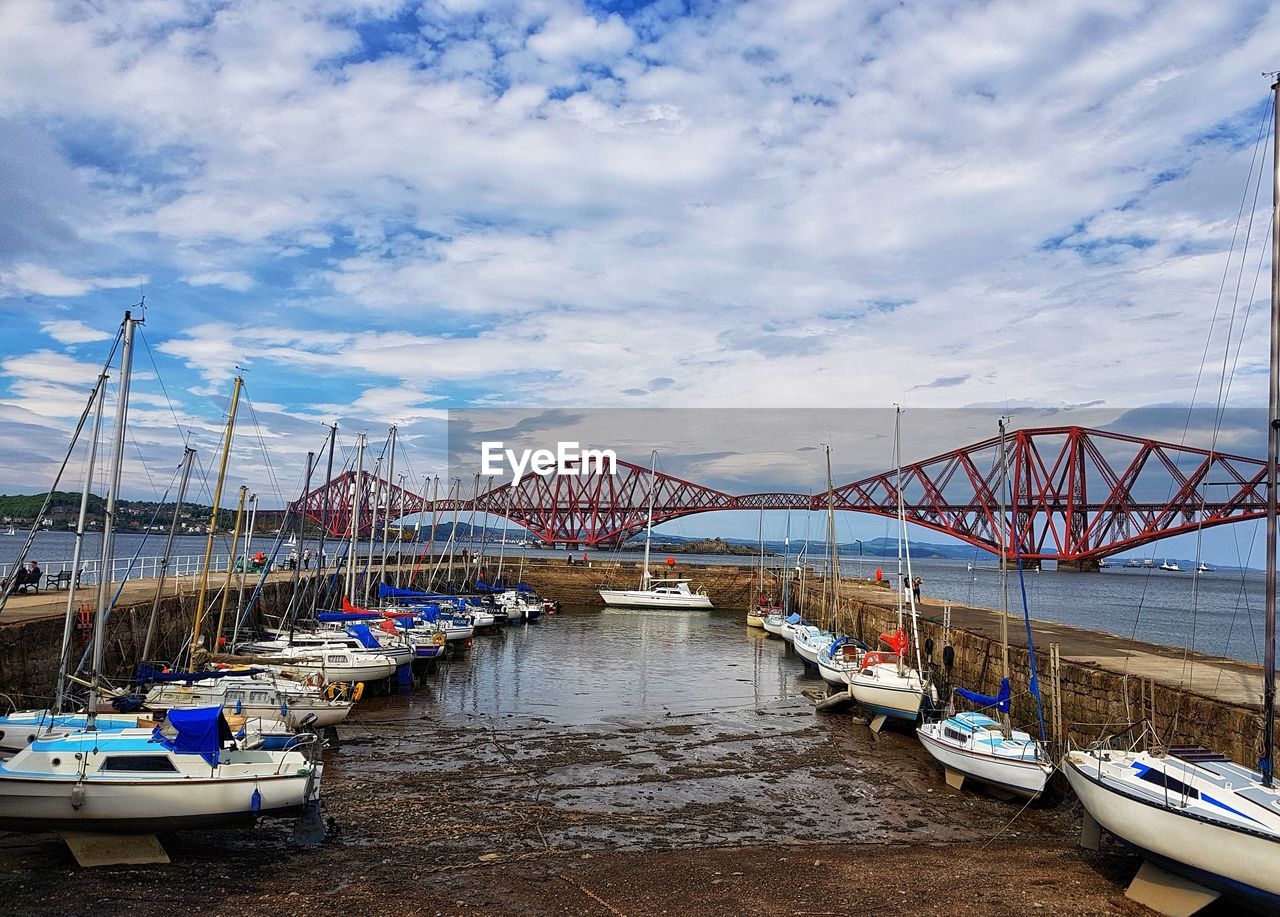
[[972, 744], [887, 684], [1213, 823], [190, 772], [656, 593]]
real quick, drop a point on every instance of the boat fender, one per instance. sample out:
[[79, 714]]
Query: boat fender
[[928, 647], [255, 801], [358, 692], [948, 655], [239, 708], [331, 691]]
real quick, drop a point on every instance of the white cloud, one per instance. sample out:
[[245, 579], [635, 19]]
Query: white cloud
[[73, 331], [240, 281], [28, 279]]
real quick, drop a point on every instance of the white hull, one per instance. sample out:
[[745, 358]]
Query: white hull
[[121, 805], [643, 598], [1026, 778], [333, 672], [773, 627], [809, 643], [835, 671], [242, 699], [1174, 833], [882, 689]]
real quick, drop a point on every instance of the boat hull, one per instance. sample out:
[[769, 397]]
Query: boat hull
[[636, 598], [36, 804], [772, 628], [1238, 862], [881, 689], [1024, 778]]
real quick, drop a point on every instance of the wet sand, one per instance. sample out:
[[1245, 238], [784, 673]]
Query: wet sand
[[599, 763]]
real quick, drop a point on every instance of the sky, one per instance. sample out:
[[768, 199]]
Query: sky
[[385, 212]]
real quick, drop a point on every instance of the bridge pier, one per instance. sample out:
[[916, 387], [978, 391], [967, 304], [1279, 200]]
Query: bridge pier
[[1083, 565]]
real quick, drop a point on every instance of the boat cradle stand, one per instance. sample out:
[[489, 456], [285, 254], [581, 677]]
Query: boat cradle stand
[[1153, 886], [93, 849]]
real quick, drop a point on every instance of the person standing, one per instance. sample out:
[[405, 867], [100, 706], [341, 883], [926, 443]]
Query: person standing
[[915, 588]]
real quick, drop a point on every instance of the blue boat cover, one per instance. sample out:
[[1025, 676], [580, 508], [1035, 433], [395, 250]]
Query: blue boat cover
[[343, 617], [391, 592], [197, 731], [148, 672], [362, 633], [1000, 702], [793, 618]]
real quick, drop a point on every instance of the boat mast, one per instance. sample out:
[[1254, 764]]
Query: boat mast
[[648, 526], [100, 394], [231, 569], [786, 571], [1005, 723], [761, 533], [324, 525], [213, 524], [108, 522], [897, 457], [386, 515], [1273, 455], [187, 457], [831, 540], [354, 554]]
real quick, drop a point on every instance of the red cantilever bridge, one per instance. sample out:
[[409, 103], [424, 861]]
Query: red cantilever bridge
[[1078, 495]]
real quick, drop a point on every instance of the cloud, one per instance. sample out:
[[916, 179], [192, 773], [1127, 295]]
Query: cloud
[[73, 331], [240, 281], [28, 279]]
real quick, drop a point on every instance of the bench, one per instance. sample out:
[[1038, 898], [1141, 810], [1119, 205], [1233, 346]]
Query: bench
[[23, 580], [58, 580]]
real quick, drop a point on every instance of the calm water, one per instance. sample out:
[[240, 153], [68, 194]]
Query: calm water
[[1218, 613]]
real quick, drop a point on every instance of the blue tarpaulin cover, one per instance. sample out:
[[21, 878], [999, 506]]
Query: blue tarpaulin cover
[[391, 592], [362, 633], [197, 731], [793, 618], [343, 617], [1000, 702], [147, 672]]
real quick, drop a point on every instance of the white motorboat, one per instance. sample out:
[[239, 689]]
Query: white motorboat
[[657, 593], [1204, 568], [1171, 565], [973, 745], [188, 773]]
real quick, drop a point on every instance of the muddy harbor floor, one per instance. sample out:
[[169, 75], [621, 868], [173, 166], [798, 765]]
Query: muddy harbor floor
[[751, 804]]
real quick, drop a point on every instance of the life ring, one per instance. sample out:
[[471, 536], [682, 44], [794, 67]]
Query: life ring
[[315, 680], [358, 692], [871, 659]]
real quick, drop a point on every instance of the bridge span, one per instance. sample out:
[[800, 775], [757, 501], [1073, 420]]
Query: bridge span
[[1078, 495]]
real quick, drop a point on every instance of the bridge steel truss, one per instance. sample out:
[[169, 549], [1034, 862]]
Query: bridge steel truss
[[1075, 494]]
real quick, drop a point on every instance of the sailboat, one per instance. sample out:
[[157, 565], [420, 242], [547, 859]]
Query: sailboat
[[655, 593], [1189, 811], [764, 606], [192, 771], [973, 744], [886, 683], [809, 641]]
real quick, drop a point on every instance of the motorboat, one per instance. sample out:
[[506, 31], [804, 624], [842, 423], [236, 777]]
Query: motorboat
[[1171, 565], [658, 593]]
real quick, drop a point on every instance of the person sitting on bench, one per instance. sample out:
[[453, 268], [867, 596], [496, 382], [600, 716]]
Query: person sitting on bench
[[25, 578]]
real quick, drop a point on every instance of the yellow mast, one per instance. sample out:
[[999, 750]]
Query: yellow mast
[[213, 526], [231, 568]]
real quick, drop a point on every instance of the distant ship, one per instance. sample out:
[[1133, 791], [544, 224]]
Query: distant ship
[[1171, 565]]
